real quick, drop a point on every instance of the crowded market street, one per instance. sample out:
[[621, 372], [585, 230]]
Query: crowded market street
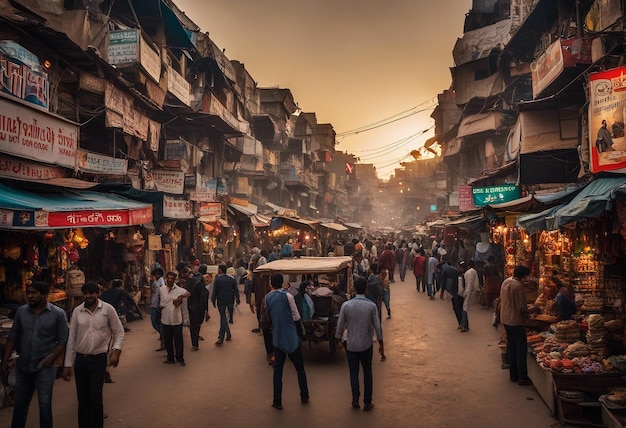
[[434, 376]]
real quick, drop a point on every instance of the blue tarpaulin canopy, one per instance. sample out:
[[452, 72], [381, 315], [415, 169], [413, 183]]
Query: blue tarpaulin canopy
[[62, 208], [593, 200]]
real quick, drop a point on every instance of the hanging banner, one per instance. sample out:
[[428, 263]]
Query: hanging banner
[[35, 135], [167, 181], [176, 208], [495, 194], [607, 115], [100, 164]]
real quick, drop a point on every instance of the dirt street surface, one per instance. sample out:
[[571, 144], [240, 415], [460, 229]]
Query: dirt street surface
[[434, 376]]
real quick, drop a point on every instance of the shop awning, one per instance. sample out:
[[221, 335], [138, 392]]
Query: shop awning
[[472, 222], [65, 208], [596, 198], [260, 220], [536, 222], [353, 225], [296, 223], [248, 210], [334, 226]]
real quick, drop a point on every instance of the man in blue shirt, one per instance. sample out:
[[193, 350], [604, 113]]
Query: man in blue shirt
[[280, 313], [360, 317], [39, 335]]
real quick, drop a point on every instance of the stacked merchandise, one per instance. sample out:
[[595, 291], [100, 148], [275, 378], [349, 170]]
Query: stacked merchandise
[[567, 331], [577, 349], [593, 304], [596, 336]]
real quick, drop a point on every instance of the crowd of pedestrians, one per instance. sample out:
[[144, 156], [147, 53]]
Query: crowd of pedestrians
[[181, 298]]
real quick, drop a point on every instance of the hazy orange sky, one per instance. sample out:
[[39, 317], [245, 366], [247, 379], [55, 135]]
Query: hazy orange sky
[[353, 63]]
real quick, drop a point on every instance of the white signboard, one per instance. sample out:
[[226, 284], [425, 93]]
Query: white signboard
[[123, 46], [202, 196], [100, 164], [36, 135], [176, 208], [129, 46], [168, 181], [178, 86]]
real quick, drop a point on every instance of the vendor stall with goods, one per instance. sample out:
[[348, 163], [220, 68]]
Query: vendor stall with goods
[[576, 334]]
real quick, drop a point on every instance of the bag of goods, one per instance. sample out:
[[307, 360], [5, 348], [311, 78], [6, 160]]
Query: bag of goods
[[577, 349], [567, 331], [615, 330]]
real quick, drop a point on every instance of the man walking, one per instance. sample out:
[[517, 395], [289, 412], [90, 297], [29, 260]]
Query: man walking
[[280, 314], [419, 270], [470, 289], [225, 292], [359, 316], [197, 305], [514, 314], [172, 318], [155, 314], [95, 329], [39, 335], [432, 280], [387, 261], [450, 283]]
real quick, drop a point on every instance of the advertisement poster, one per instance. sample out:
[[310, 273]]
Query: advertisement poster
[[607, 114], [466, 199]]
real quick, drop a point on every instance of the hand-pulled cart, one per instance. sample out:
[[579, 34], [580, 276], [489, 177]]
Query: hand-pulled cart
[[334, 273]]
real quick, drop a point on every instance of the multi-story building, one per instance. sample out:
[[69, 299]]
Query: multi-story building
[[137, 100]]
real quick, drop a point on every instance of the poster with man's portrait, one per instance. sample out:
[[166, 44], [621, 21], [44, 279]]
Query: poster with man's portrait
[[607, 115]]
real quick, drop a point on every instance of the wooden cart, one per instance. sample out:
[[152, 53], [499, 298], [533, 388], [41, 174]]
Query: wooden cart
[[316, 329]]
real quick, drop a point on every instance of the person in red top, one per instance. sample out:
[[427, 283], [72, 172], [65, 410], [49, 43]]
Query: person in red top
[[387, 261], [419, 269]]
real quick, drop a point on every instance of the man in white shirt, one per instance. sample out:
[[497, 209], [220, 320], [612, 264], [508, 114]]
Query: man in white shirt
[[95, 329], [472, 286], [172, 318]]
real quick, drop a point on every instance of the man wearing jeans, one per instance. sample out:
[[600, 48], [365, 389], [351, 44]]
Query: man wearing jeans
[[360, 317], [95, 329], [280, 313], [39, 335], [514, 314]]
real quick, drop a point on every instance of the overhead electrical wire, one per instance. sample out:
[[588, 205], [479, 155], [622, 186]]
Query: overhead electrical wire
[[394, 145], [391, 119]]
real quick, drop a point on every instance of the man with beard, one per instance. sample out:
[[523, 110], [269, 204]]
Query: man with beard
[[95, 330], [172, 318], [39, 335]]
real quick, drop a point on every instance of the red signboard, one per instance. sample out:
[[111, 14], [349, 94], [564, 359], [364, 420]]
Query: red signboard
[[466, 198], [96, 218]]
